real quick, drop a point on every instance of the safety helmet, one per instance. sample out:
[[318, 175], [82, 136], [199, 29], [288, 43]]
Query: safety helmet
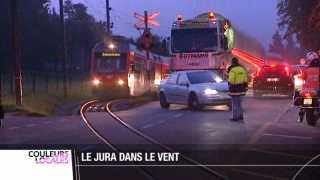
[[311, 56]]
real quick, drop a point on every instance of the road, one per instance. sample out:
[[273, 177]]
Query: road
[[269, 134]]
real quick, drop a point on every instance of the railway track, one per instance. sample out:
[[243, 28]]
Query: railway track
[[133, 131]]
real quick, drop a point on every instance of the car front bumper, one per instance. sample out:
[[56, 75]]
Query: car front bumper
[[224, 99]]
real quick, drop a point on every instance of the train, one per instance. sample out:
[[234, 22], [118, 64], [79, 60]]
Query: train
[[120, 68]]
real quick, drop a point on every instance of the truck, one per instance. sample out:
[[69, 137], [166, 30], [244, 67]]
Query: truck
[[206, 43], [199, 43]]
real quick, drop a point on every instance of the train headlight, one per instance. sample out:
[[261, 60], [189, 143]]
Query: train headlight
[[157, 82], [96, 82], [120, 82], [210, 92], [111, 46]]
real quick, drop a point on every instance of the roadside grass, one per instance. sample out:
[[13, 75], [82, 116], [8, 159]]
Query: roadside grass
[[44, 103]]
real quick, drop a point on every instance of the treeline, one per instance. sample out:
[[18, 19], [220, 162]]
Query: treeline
[[299, 29], [248, 43], [40, 35], [302, 20]]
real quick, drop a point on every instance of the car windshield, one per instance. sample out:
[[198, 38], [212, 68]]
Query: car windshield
[[111, 64], [200, 77], [194, 40]]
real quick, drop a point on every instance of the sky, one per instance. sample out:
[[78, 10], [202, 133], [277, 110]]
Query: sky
[[255, 17]]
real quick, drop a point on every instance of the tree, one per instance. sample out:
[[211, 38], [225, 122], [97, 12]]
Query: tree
[[82, 33], [292, 52], [277, 46], [302, 19]]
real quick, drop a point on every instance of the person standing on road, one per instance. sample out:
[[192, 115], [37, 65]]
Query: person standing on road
[[238, 82]]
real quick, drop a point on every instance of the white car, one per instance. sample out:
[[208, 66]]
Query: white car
[[195, 88]]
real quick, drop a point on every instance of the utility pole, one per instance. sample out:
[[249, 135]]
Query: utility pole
[[108, 17], [16, 51], [146, 29], [63, 49], [1, 107]]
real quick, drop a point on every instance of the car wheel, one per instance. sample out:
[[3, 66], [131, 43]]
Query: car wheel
[[194, 102], [163, 101], [310, 117], [230, 106]]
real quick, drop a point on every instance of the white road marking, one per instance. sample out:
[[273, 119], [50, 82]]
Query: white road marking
[[257, 134], [177, 115], [14, 128], [287, 136], [153, 124]]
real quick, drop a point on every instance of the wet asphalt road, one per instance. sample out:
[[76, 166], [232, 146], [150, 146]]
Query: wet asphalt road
[[269, 122]]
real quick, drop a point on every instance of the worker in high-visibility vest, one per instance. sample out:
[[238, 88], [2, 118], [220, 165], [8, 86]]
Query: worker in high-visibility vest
[[229, 34], [238, 82]]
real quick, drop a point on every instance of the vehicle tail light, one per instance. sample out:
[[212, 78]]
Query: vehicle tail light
[[286, 69], [258, 72], [307, 95]]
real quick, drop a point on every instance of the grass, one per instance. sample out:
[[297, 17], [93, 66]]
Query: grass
[[44, 103]]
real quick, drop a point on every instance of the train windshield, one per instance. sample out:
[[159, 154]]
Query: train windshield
[[111, 64], [194, 40]]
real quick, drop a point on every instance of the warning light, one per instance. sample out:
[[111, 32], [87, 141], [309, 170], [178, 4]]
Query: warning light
[[211, 16], [302, 61], [179, 18], [131, 53]]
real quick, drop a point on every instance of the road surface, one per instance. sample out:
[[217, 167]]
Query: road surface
[[269, 134]]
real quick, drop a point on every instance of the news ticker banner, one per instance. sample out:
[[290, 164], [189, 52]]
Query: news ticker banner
[[36, 164], [68, 164]]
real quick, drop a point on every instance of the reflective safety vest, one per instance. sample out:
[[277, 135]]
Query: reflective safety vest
[[238, 75], [311, 78], [229, 33]]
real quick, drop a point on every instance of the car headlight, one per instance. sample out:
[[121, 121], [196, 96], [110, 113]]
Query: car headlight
[[218, 79], [210, 92], [96, 82], [120, 82]]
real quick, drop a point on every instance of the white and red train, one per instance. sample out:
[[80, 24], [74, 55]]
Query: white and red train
[[118, 67]]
